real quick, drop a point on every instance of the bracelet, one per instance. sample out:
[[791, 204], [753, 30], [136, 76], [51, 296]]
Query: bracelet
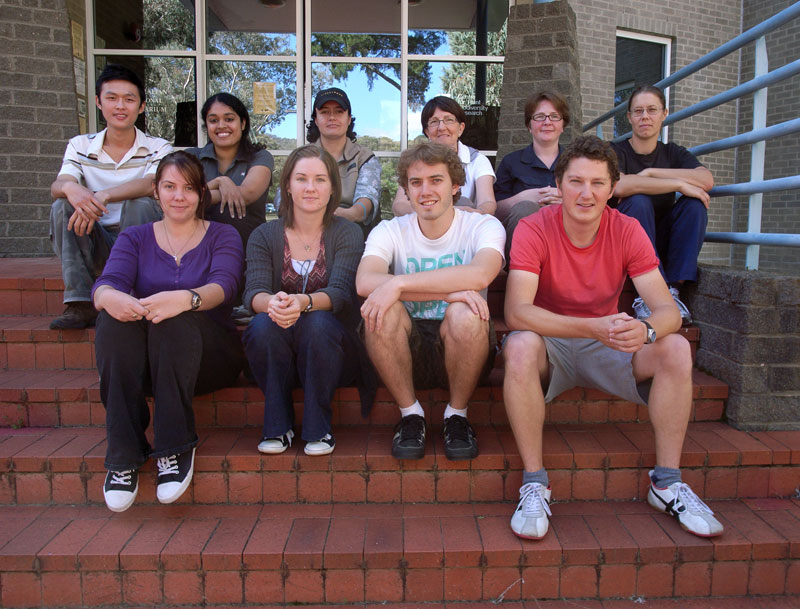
[[310, 304], [364, 207]]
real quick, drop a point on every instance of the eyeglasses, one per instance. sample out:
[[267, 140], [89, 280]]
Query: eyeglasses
[[447, 122], [651, 111], [541, 117]]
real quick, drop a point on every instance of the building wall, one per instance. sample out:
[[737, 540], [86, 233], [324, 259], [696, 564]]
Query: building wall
[[38, 109], [696, 27]]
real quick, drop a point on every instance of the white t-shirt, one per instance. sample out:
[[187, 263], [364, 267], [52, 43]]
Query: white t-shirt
[[406, 250], [479, 167], [86, 161]]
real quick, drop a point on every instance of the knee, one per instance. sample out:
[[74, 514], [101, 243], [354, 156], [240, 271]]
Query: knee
[[261, 331], [693, 209], [320, 327], [60, 210], [395, 321], [522, 351], [675, 355], [637, 205], [460, 323], [521, 210]]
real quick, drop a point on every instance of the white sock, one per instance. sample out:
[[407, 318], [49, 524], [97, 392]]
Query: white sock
[[415, 408], [450, 411]]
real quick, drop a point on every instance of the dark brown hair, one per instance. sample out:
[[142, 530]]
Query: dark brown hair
[[647, 89], [588, 147], [192, 172], [558, 101], [445, 104], [286, 210], [431, 153]]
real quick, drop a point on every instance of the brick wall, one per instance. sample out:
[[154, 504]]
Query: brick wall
[[781, 210], [37, 105], [695, 27]]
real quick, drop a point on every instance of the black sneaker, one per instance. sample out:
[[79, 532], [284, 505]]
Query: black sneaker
[[76, 316], [409, 438], [174, 475], [460, 442], [120, 489]]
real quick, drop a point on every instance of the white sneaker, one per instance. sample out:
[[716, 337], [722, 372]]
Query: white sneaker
[[174, 475], [641, 310], [532, 516], [275, 446], [686, 317], [680, 501], [120, 488], [323, 446]]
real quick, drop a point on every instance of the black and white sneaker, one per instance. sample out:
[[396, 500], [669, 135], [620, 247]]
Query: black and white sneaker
[[460, 443], [680, 502], [174, 475], [120, 489], [323, 446], [275, 446], [409, 438]]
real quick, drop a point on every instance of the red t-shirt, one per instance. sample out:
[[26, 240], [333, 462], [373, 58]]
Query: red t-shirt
[[581, 282]]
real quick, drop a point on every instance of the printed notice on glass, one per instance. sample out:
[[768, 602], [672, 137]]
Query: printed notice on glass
[[264, 101], [79, 66], [77, 39]]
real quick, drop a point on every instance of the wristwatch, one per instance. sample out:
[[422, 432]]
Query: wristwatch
[[651, 334], [196, 300], [309, 306]]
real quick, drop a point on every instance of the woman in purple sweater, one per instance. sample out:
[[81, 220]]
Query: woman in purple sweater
[[164, 330]]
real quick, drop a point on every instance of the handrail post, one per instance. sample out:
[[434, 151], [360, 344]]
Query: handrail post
[[757, 152]]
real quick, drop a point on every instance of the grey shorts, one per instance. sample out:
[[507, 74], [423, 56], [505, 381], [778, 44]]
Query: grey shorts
[[585, 362]]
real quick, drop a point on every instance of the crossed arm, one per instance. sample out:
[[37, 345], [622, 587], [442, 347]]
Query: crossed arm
[[225, 193], [654, 181]]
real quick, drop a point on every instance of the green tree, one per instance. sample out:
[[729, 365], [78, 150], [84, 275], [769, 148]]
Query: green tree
[[458, 79]]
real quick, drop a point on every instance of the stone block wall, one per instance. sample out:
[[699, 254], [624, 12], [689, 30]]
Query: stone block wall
[[38, 110], [750, 339]]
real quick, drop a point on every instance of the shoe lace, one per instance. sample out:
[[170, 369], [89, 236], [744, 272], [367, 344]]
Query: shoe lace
[[685, 496], [167, 465], [121, 477], [684, 310], [412, 428], [532, 501], [456, 428]]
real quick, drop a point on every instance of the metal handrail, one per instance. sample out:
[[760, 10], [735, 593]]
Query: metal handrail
[[780, 239], [734, 44], [756, 135], [749, 188]]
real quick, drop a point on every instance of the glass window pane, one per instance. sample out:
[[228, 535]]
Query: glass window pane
[[144, 24], [354, 28], [169, 82], [458, 27], [247, 27], [374, 92], [274, 85], [476, 87], [388, 185], [639, 62]]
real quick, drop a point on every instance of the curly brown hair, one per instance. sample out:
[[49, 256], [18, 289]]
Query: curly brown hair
[[588, 147], [431, 154]]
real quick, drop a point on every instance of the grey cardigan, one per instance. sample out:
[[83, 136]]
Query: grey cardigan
[[344, 244]]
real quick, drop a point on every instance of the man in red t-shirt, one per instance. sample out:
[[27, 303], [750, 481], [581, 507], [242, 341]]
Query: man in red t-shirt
[[568, 265]]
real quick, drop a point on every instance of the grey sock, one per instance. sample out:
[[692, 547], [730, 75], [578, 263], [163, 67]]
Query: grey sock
[[539, 476], [664, 476]]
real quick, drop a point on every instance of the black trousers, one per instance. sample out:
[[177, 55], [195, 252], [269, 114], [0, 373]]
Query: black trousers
[[172, 361]]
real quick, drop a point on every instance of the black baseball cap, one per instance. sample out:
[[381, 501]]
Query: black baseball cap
[[332, 94]]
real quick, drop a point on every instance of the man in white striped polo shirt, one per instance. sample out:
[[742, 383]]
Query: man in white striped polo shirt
[[105, 185]]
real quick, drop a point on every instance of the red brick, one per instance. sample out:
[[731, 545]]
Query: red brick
[[344, 586], [20, 590], [384, 487], [786, 525], [314, 487], [577, 542], [783, 481], [49, 356], [264, 549], [43, 415], [279, 487], [560, 484], [143, 549], [729, 578], [462, 542], [21, 355], [721, 483], [487, 486], [588, 484], [752, 482], [263, 587], [616, 544], [210, 487], [693, 579], [102, 588], [578, 581], [102, 552], [344, 546], [183, 587], [224, 549], [60, 554], [383, 585], [452, 486], [418, 487], [767, 577], [557, 453], [78, 355], [244, 487], [654, 580], [654, 544], [424, 585], [422, 543], [500, 546], [383, 544], [540, 582], [182, 551], [305, 544], [622, 484], [462, 584], [33, 488], [587, 451], [793, 578], [502, 584], [19, 553], [617, 581], [348, 487], [767, 543], [224, 587], [623, 412], [790, 439], [141, 587]]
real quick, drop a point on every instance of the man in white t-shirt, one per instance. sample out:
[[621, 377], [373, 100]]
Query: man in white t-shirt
[[105, 184], [426, 321]]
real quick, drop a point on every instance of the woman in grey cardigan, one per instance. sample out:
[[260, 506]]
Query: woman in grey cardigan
[[301, 287]]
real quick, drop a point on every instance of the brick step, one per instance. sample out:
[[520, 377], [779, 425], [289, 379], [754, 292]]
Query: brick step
[[596, 462], [227, 555], [66, 398]]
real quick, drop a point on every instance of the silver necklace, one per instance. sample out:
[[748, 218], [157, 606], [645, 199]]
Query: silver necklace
[[305, 245], [175, 255]]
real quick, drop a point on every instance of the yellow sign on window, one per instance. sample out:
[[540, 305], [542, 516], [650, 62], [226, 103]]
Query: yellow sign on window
[[264, 101]]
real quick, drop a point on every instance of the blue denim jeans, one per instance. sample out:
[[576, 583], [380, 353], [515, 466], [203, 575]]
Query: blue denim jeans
[[317, 353]]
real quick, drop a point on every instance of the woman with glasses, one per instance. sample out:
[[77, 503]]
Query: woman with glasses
[[301, 287], [525, 178], [443, 121], [665, 187]]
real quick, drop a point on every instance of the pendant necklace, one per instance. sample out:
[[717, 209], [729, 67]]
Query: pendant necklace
[[304, 244], [175, 255]]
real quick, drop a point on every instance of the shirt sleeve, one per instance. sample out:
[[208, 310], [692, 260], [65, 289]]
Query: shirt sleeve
[[528, 249], [482, 167], [504, 184], [640, 256], [621, 158], [491, 234], [259, 265], [122, 266], [263, 158], [348, 245], [368, 185], [379, 243], [71, 165], [163, 150], [681, 158], [227, 258]]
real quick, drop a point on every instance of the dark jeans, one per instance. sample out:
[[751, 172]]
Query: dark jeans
[[676, 233], [521, 210], [173, 361], [317, 353]]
